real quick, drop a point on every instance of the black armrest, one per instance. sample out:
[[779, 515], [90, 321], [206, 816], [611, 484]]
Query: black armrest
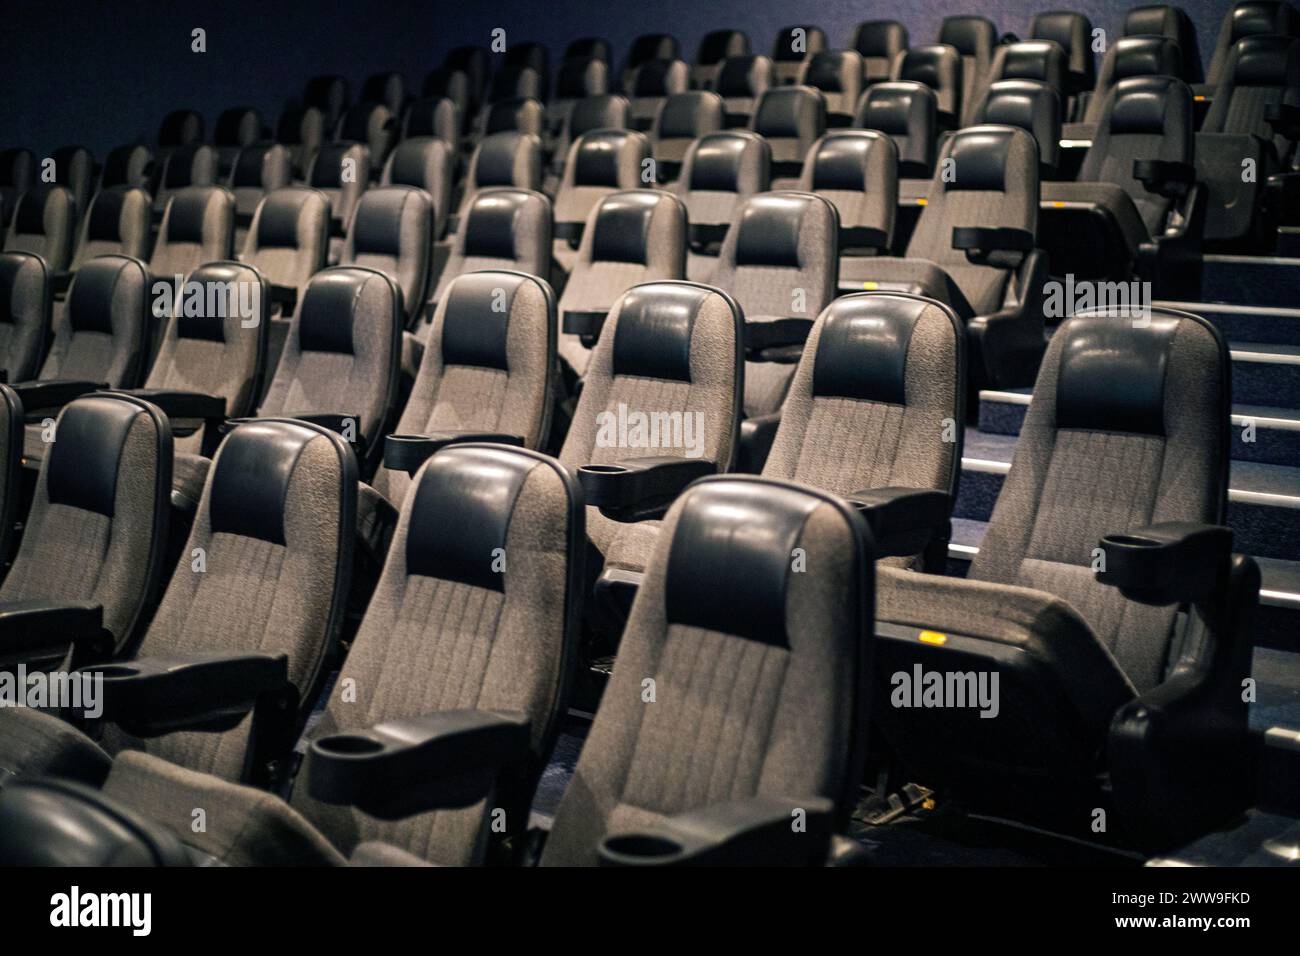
[[776, 334], [863, 237], [46, 628], [407, 766], [586, 325], [756, 437], [1173, 562], [59, 283], [408, 452], [349, 426], [570, 232], [151, 696], [1164, 178], [640, 488], [285, 296], [178, 404], [705, 234], [52, 395], [1284, 118], [767, 831], [903, 520], [1004, 246]]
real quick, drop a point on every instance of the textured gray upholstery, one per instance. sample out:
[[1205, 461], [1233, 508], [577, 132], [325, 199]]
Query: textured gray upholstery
[[857, 170], [301, 130], [599, 163], [601, 275], [837, 74], [1246, 90], [257, 170], [720, 172], [392, 231], [116, 222], [603, 111], [974, 39], [44, 223], [733, 715], [683, 118], [342, 172], [1041, 60], [24, 314], [503, 159], [1128, 57], [102, 335], [198, 226], [712, 389], [938, 66], [289, 236], [425, 163], [1249, 18], [791, 119], [793, 282]]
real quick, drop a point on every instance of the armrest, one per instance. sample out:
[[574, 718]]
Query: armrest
[[776, 334], [1005, 246], [570, 232], [1284, 118], [408, 452], [46, 628], [52, 395], [1164, 178], [705, 234], [757, 831], [586, 325], [178, 404], [756, 437], [151, 696], [285, 296], [243, 220], [402, 767], [640, 488], [863, 237], [338, 228], [59, 283], [349, 426], [1174, 562], [903, 520]]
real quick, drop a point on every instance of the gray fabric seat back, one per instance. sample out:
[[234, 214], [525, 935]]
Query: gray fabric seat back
[[275, 524], [791, 119], [329, 94], [683, 118], [974, 39], [388, 88], [838, 75], [98, 521], [503, 159], [258, 169], [197, 226], [215, 342], [103, 334], [939, 67], [778, 261], [1147, 399], [908, 113], [879, 42], [1131, 57], [599, 163], [44, 223], [424, 163], [1262, 71], [436, 116], [760, 672], [1042, 61], [740, 83], [341, 356], [24, 314], [668, 349], [289, 236], [650, 84], [506, 229], [392, 231], [446, 631], [302, 130], [74, 168], [126, 166], [716, 48], [995, 185], [17, 173], [483, 369], [374, 126], [630, 238], [881, 374], [1073, 32], [1029, 104], [857, 170], [116, 222], [182, 167], [791, 46], [1147, 117], [1248, 19], [342, 172], [721, 171]]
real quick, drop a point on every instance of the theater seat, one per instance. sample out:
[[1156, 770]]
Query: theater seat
[[1174, 24], [647, 47], [198, 225], [682, 119], [340, 171], [502, 159], [630, 238], [791, 119], [1073, 31], [424, 163], [941, 68], [116, 222], [24, 314], [236, 129], [391, 231], [974, 248], [184, 166], [518, 114], [301, 130], [599, 163], [597, 48], [1040, 60], [44, 224], [287, 243], [436, 116], [372, 125], [791, 46], [720, 172], [857, 170], [256, 170], [1128, 58], [388, 88], [128, 165], [651, 84], [1107, 618], [329, 94], [1033, 106], [575, 80], [17, 174], [74, 168], [609, 111], [1247, 19], [908, 113], [974, 39], [837, 74], [716, 47], [878, 42], [741, 82]]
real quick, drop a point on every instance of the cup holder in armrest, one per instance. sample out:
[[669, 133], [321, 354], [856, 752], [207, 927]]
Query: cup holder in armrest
[[604, 469], [408, 452], [349, 745], [639, 849], [230, 424], [1167, 563], [638, 488], [111, 671]]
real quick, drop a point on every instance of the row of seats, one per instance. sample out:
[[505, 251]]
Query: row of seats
[[475, 620]]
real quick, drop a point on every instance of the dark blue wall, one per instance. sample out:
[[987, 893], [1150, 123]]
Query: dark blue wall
[[101, 73]]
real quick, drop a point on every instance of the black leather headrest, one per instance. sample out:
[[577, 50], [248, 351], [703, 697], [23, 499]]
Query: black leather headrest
[[186, 211], [250, 478], [862, 351], [652, 46], [1042, 60], [460, 517], [880, 38], [82, 463], [788, 111], [715, 166], [513, 82], [841, 160], [1155, 20], [721, 44], [495, 163], [899, 109], [622, 226], [490, 224], [249, 164], [1112, 374], [330, 93], [1146, 56], [237, 127], [180, 128], [1141, 104], [597, 112], [1028, 104], [1265, 60], [594, 47], [289, 129], [422, 116], [218, 282], [729, 561], [377, 228], [474, 332], [652, 78], [768, 232], [16, 167], [734, 78], [655, 324], [356, 121], [1066, 27], [681, 113], [180, 165], [825, 70], [328, 311], [971, 36], [29, 219], [981, 154], [65, 158], [507, 115], [784, 50], [573, 79], [383, 87], [104, 222], [531, 55], [277, 221], [19, 296], [96, 286], [937, 66], [408, 164], [1263, 16], [327, 168], [597, 159]]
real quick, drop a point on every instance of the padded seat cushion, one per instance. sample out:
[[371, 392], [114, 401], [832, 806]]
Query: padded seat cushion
[[35, 743], [1109, 197], [189, 474], [916, 276]]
